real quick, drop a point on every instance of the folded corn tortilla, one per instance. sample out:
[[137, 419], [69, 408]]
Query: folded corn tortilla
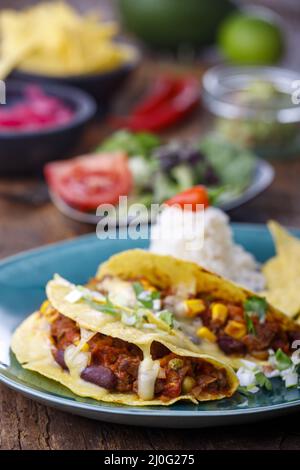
[[33, 347]]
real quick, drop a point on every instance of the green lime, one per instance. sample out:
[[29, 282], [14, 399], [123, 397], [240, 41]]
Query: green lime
[[246, 39]]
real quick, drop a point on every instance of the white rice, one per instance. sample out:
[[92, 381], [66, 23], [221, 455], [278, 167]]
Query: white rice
[[215, 248]]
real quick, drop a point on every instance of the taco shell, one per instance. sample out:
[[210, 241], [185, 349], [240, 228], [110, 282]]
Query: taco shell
[[32, 346]]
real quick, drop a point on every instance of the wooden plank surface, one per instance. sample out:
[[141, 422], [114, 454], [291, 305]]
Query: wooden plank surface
[[25, 424]]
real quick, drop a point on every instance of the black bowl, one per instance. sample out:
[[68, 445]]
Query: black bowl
[[26, 152], [102, 86]]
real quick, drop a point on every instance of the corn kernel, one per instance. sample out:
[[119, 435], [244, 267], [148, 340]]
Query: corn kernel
[[44, 306], [188, 384], [235, 329], [51, 318], [204, 333], [147, 286], [194, 307], [85, 347], [76, 342], [219, 312]]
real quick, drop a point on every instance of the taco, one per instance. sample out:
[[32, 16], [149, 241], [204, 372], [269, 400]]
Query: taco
[[113, 353], [224, 319]]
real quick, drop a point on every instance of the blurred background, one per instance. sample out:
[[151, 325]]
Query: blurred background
[[288, 12], [194, 92]]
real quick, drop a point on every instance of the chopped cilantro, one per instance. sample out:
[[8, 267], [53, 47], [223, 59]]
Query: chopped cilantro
[[106, 307], [249, 324], [245, 391], [263, 381], [254, 306], [144, 297], [167, 317], [138, 288], [283, 361]]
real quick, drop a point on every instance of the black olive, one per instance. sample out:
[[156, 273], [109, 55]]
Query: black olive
[[190, 155], [167, 156], [231, 346], [210, 178]]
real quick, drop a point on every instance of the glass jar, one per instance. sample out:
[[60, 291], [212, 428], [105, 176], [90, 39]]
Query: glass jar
[[256, 107]]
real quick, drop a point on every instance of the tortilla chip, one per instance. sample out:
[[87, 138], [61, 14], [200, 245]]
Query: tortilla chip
[[287, 298], [282, 272]]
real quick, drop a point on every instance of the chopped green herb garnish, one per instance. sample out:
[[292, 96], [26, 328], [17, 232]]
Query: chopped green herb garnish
[[144, 297], [283, 361], [106, 307], [254, 306], [249, 324], [263, 381], [167, 317], [245, 391], [138, 288]]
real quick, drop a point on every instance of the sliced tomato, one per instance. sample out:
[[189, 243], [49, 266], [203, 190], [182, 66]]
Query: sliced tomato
[[88, 181], [192, 196]]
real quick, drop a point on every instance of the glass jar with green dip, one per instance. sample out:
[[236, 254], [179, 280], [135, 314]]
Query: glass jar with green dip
[[256, 107]]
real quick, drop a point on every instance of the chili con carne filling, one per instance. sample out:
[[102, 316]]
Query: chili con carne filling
[[256, 341], [64, 332], [114, 364], [264, 335]]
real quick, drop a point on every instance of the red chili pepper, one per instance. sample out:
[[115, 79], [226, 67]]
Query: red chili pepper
[[183, 100], [162, 90]]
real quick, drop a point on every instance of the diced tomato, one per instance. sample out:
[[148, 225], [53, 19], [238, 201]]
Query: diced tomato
[[192, 196], [88, 181]]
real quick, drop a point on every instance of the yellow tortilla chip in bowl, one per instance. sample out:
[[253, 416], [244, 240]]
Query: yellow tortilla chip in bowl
[[52, 42]]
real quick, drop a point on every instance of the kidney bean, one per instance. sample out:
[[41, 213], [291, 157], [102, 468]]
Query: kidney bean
[[59, 356], [294, 335], [101, 376], [231, 346]]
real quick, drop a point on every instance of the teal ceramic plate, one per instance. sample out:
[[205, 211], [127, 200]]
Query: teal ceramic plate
[[22, 281]]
